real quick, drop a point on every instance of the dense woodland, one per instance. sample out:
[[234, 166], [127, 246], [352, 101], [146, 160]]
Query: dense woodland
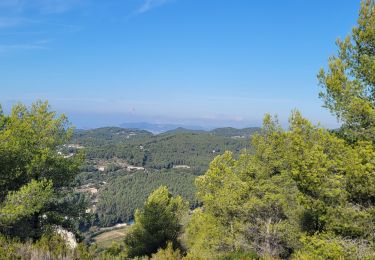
[[121, 197], [180, 147], [160, 155], [304, 192]]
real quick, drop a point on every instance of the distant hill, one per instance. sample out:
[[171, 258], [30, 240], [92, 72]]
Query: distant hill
[[195, 148], [175, 128], [222, 132], [113, 133], [173, 158], [184, 130], [107, 136], [234, 132], [158, 128]]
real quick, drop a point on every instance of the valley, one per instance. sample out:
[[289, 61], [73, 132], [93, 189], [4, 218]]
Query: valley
[[123, 166]]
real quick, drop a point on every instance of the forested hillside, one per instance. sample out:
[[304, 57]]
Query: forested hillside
[[124, 165], [180, 147], [302, 192], [121, 197]]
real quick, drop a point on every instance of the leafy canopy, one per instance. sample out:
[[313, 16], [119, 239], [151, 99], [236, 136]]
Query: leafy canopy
[[35, 178], [304, 181], [349, 82], [156, 224]]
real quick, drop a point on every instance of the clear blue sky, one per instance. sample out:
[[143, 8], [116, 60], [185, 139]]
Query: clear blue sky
[[200, 62]]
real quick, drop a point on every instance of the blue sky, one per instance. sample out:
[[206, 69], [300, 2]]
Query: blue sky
[[196, 62]]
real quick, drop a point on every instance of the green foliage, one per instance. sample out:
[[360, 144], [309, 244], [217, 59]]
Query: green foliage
[[171, 159], [167, 254], [35, 179], [31, 198], [327, 246], [349, 83], [125, 193], [301, 181], [140, 148], [247, 204], [239, 256], [235, 133], [156, 224], [301, 193], [203, 236], [29, 139], [47, 247], [115, 250]]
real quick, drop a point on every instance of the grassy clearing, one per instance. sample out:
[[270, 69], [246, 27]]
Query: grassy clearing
[[105, 240]]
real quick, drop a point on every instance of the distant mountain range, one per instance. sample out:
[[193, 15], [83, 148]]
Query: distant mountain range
[[159, 128], [174, 128], [146, 129]]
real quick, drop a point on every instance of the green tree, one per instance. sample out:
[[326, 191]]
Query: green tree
[[157, 223], [349, 82], [328, 246], [167, 254], [301, 182], [249, 204], [246, 202], [35, 179], [30, 199]]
